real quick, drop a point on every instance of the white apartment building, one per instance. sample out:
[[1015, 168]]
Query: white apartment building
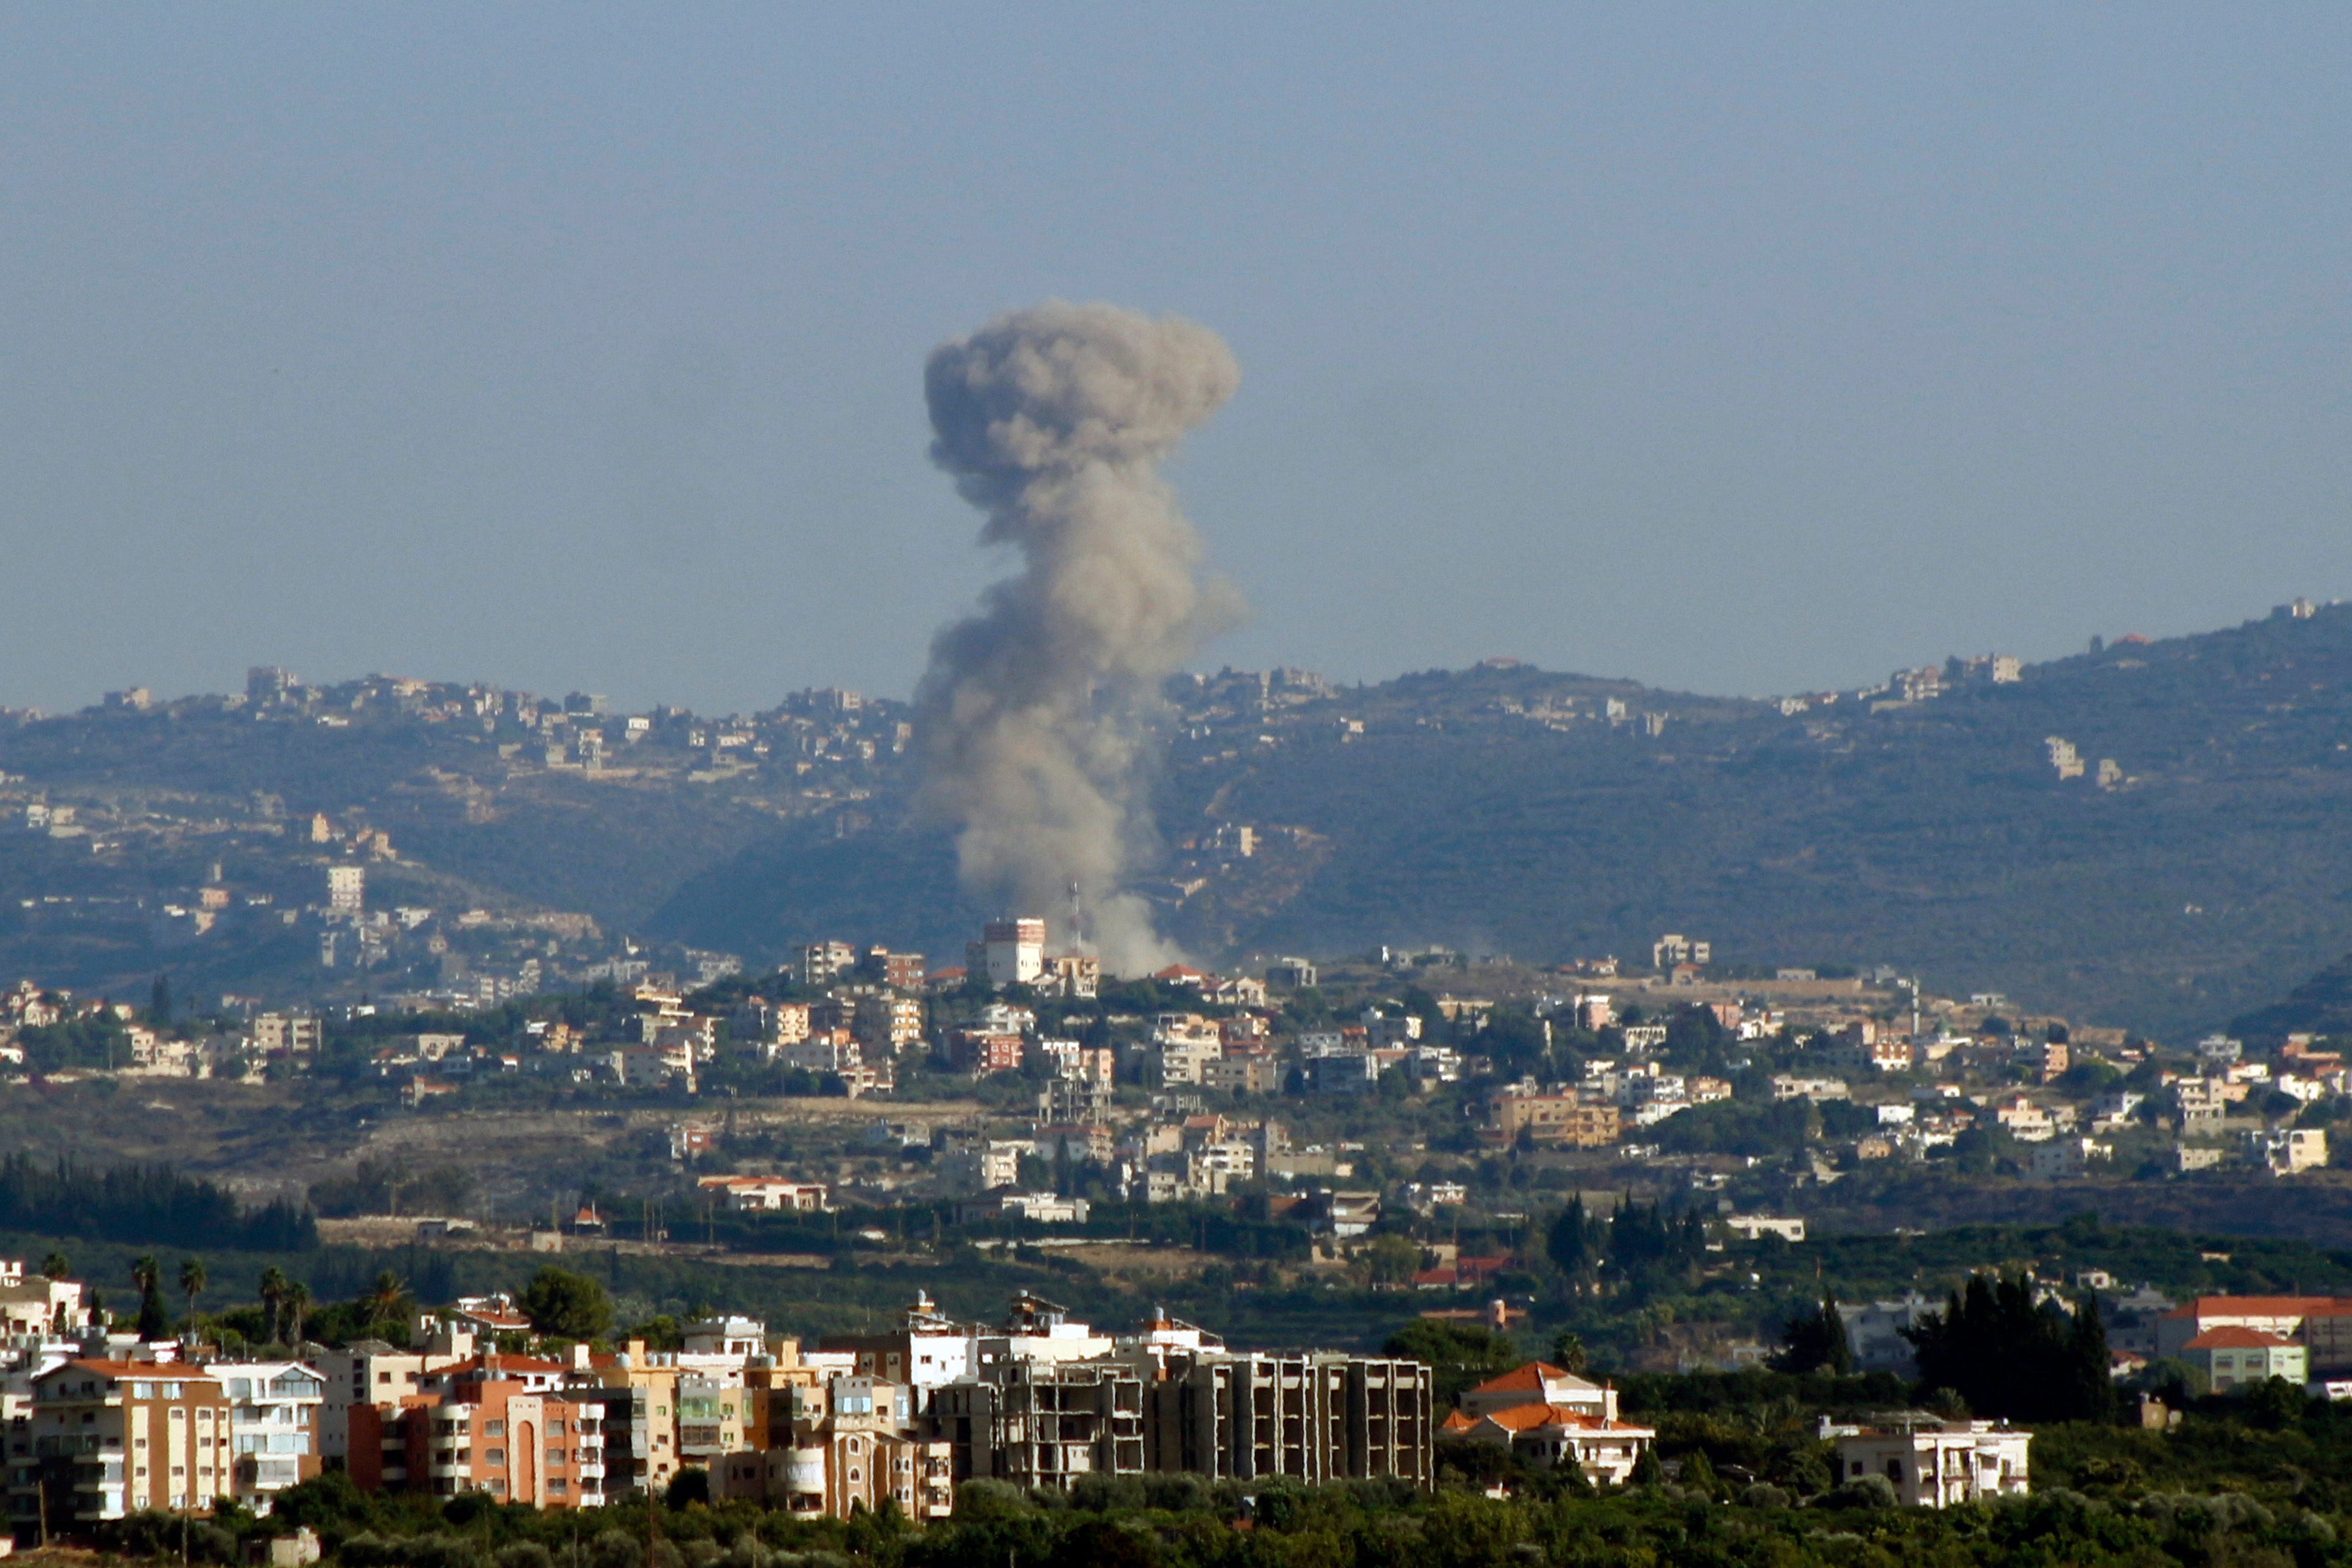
[[274, 1413]]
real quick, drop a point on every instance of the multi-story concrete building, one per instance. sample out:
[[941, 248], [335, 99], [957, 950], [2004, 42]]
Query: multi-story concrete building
[[887, 1025], [107, 1438], [852, 1446], [1564, 1119], [361, 1390], [1042, 1423], [499, 1435], [1009, 952], [822, 962], [1319, 1416], [711, 1418], [274, 1415]]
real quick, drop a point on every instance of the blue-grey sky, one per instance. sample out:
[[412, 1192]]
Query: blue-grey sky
[[1742, 348]]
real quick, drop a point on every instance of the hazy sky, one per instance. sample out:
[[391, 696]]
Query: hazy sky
[[1740, 348]]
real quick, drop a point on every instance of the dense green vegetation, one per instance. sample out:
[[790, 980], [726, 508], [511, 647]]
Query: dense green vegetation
[[143, 1204]]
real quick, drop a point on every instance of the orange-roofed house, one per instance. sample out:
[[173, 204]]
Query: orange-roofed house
[[1550, 1435], [2304, 1318], [1539, 1382], [2237, 1358]]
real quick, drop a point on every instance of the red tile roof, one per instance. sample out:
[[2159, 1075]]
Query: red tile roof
[[1522, 1417], [179, 1371], [2235, 1338], [1526, 1379]]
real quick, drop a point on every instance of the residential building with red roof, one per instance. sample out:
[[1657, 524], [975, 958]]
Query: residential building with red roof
[[2232, 1357], [1546, 1436], [2289, 1317], [1539, 1382]]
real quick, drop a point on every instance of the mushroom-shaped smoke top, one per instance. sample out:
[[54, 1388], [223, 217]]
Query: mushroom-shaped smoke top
[[1033, 716]]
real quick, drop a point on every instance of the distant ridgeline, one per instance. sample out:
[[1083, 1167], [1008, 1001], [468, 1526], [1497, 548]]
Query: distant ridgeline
[[144, 1204]]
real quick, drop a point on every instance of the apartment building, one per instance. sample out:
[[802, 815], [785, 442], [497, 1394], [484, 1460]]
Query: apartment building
[[274, 1415], [1035, 1423], [521, 1444], [107, 1438], [1563, 1117]]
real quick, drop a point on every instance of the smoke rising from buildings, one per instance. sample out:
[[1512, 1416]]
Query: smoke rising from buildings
[[1034, 717]]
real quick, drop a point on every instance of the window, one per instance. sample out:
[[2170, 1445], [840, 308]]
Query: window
[[557, 1486], [383, 1377], [555, 1455], [494, 1428], [494, 1456]]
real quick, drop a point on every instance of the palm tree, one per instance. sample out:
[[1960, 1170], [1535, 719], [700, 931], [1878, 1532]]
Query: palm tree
[[192, 1285], [54, 1266], [385, 1297], [298, 1301], [271, 1288]]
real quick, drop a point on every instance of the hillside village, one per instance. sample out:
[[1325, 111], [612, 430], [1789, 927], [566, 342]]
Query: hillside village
[[461, 843], [1416, 1085]]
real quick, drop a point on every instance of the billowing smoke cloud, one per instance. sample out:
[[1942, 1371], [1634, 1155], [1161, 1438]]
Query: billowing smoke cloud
[[1033, 716]]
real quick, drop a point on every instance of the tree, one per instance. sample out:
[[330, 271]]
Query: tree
[[1647, 1471], [387, 1299], [572, 1306], [192, 1285], [297, 1303], [1391, 1259], [159, 1003], [54, 1266], [1815, 1341], [1575, 1239], [147, 1274], [271, 1288], [2011, 1359], [1568, 1352], [1459, 1354]]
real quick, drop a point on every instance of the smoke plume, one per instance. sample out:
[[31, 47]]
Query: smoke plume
[[1034, 717]]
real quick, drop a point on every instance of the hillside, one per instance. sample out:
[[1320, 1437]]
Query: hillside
[[1498, 809]]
